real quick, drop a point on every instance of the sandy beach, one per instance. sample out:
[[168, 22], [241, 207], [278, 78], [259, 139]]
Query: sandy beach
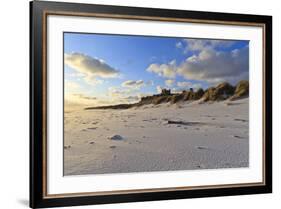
[[164, 137]]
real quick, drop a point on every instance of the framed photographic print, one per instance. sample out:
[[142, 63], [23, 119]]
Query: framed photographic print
[[139, 104]]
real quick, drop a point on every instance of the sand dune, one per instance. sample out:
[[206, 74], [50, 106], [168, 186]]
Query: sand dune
[[161, 137]]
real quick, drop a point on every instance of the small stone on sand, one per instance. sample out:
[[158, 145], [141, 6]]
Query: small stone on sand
[[201, 147], [241, 120], [116, 137], [238, 137]]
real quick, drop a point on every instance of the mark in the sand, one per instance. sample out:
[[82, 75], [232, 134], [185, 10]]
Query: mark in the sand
[[112, 147], [241, 120], [231, 104], [184, 123], [227, 165], [165, 119], [238, 137], [94, 123], [92, 142], [92, 128], [149, 120], [202, 147], [208, 116], [67, 147]]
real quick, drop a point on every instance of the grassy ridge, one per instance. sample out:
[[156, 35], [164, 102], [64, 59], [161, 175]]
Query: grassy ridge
[[220, 92]]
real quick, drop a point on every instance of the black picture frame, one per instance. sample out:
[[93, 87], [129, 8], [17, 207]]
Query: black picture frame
[[38, 12]]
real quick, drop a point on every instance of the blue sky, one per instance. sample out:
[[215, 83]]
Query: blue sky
[[108, 69]]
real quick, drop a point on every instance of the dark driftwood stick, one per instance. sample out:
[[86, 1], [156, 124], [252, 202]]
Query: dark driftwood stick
[[184, 123]]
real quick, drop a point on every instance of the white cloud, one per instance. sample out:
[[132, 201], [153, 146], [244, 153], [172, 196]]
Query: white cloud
[[177, 90], [164, 70], [79, 99], [75, 75], [121, 92], [118, 95], [71, 86], [216, 66], [179, 45], [184, 84], [133, 84], [169, 82], [114, 95], [91, 80], [158, 89], [208, 63], [118, 92], [83, 96], [149, 83], [136, 84], [131, 99], [196, 86], [201, 44], [91, 67]]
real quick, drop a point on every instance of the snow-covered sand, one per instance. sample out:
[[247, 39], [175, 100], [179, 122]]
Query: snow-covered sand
[[213, 135]]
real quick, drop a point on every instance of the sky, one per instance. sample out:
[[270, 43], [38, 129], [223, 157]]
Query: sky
[[102, 69]]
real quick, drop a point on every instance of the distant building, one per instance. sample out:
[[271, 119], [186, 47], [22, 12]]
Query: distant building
[[166, 92]]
